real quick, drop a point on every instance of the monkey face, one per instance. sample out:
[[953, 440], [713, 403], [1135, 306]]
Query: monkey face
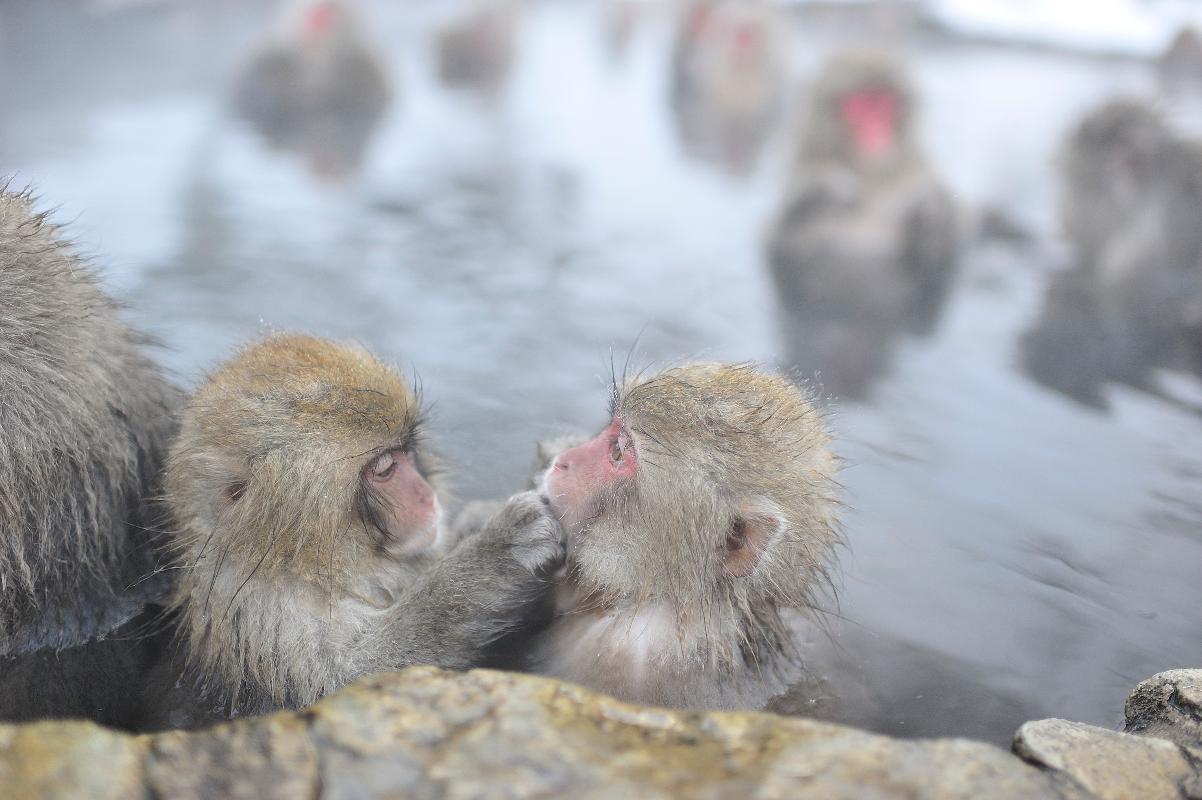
[[871, 117], [398, 502], [303, 457], [579, 477], [710, 481], [323, 20]]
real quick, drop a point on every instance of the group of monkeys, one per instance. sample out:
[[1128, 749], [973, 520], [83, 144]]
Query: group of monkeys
[[866, 241], [168, 561]]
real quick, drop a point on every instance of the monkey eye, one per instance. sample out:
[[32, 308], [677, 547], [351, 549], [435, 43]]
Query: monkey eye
[[615, 451], [382, 468]]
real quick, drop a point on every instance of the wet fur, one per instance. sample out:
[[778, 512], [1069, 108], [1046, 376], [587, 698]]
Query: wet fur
[[84, 421], [646, 610]]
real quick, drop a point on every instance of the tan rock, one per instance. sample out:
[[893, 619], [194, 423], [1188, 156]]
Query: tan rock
[[68, 759], [427, 733], [265, 758], [1111, 764], [1168, 706]]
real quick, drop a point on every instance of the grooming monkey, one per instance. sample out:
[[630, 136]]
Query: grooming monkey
[[865, 245], [311, 540], [698, 521], [84, 421]]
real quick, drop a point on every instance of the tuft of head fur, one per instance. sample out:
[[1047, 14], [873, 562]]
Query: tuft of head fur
[[282, 553], [721, 449], [84, 419], [826, 140]]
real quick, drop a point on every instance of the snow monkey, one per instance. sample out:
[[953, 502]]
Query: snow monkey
[[476, 50], [728, 76], [319, 90], [311, 539], [84, 422], [1131, 303], [699, 522], [866, 242]]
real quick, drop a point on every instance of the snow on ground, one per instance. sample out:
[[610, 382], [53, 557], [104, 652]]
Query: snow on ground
[[1136, 28]]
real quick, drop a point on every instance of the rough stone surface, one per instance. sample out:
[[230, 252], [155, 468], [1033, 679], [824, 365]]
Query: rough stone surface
[[1168, 706], [426, 733], [68, 759], [1111, 764]]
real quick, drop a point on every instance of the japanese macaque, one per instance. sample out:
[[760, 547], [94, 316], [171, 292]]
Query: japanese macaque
[[84, 422], [700, 521], [311, 541], [320, 91], [1132, 300], [728, 78], [865, 245], [1180, 66], [476, 51]]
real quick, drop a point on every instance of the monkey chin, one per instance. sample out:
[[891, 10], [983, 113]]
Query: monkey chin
[[427, 539]]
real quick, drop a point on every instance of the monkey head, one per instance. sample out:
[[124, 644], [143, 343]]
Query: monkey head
[[325, 20], [711, 489], [1118, 153], [305, 459], [860, 113]]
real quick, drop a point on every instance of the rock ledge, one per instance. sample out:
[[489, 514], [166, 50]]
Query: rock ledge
[[430, 733]]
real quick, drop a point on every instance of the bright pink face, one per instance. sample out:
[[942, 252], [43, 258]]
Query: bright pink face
[[412, 512], [579, 475], [872, 116], [699, 22], [321, 19], [747, 40]]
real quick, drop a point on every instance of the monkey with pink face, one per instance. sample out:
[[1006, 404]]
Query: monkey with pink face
[[319, 89], [701, 523]]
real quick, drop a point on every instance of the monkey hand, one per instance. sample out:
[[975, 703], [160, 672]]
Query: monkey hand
[[527, 532], [485, 588]]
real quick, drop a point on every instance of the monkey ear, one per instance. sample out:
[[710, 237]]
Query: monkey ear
[[750, 532]]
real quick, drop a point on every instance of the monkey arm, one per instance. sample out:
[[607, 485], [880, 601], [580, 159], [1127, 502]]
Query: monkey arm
[[470, 520], [480, 591]]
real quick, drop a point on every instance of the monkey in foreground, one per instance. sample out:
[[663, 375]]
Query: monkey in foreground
[[699, 522], [84, 422], [727, 81], [320, 90], [1131, 198], [865, 246], [311, 542]]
